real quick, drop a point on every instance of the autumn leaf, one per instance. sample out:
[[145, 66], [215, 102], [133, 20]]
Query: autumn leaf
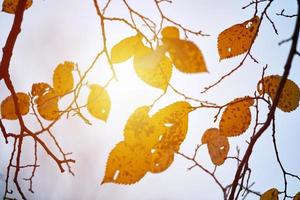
[[98, 103], [290, 96], [153, 67], [10, 6], [126, 164], [238, 38], [63, 82], [125, 49], [297, 196], [185, 55], [8, 107], [218, 145], [170, 32], [236, 118], [47, 101], [271, 194], [149, 143]]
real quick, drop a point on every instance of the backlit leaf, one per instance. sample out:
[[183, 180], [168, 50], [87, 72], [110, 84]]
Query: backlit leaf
[[271, 194], [8, 107], [47, 104], [238, 38], [290, 96], [98, 103], [170, 32], [236, 117], [10, 6], [218, 145], [126, 164], [154, 68], [149, 143], [63, 78], [125, 49], [185, 55]]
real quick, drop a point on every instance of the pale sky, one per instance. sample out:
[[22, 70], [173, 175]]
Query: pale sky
[[55, 31]]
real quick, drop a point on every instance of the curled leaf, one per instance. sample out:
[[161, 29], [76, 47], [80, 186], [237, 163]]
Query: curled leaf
[[271, 194], [185, 55], [98, 103], [218, 145], [238, 38], [125, 49], [63, 78], [236, 117], [290, 96], [153, 67], [170, 32], [8, 107], [126, 164], [10, 6]]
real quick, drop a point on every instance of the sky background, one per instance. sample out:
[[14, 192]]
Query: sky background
[[55, 31]]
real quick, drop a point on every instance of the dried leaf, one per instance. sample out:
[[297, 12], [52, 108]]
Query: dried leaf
[[10, 6], [271, 194], [185, 55], [98, 103], [47, 104], [290, 96], [8, 107], [170, 32], [218, 145], [126, 164], [236, 118], [63, 78], [238, 38], [126, 48], [154, 68]]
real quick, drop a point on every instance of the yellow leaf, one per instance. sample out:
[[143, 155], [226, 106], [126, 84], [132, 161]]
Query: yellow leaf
[[290, 96], [218, 145], [271, 194], [126, 164], [238, 38], [8, 107], [98, 103], [236, 118], [185, 55], [297, 196], [38, 89], [123, 50], [63, 78], [10, 6], [170, 32], [47, 104], [154, 68], [160, 159]]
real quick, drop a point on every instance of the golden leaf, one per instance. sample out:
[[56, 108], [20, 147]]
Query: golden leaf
[[170, 32], [297, 196], [10, 6], [38, 89], [63, 78], [8, 107], [290, 96], [271, 194], [236, 117], [154, 68], [218, 145], [47, 104], [126, 164], [185, 55], [238, 38], [149, 143], [123, 50], [98, 103]]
